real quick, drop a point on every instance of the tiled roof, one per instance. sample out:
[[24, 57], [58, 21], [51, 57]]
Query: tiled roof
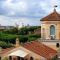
[[4, 51], [52, 17], [40, 49]]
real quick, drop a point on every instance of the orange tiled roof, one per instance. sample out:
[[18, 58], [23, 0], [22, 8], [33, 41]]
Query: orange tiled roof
[[40, 49], [52, 17], [4, 51]]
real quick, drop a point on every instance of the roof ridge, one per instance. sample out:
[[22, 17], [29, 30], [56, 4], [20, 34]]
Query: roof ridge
[[54, 16]]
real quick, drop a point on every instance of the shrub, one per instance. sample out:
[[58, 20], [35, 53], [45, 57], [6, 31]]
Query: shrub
[[34, 35], [23, 38], [5, 45], [31, 39]]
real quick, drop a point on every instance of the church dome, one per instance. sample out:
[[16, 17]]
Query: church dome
[[54, 16]]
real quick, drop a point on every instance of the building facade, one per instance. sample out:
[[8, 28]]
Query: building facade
[[6, 27], [30, 51], [50, 27]]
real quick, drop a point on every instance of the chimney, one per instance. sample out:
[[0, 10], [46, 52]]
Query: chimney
[[17, 42]]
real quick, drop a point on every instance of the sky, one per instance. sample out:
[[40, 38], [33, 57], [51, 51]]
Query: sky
[[25, 11]]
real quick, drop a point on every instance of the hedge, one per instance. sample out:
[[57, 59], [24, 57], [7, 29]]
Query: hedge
[[11, 38]]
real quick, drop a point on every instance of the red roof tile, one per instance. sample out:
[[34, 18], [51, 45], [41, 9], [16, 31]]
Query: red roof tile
[[40, 49], [52, 17], [4, 51]]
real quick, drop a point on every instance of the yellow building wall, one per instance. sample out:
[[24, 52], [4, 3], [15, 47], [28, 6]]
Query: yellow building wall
[[45, 29]]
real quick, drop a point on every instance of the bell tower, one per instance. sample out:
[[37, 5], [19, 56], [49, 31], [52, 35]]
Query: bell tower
[[50, 26]]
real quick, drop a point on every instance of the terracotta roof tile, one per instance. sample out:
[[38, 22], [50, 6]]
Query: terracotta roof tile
[[4, 51], [52, 17], [40, 49]]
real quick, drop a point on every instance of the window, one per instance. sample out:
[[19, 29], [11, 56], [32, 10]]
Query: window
[[18, 58], [10, 57], [57, 45], [0, 57], [31, 58], [52, 32]]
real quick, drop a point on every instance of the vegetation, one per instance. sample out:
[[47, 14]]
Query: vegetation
[[26, 30], [5, 45], [22, 31], [7, 37]]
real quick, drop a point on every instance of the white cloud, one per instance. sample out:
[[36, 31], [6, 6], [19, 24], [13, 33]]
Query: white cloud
[[11, 13], [14, 8], [8, 1], [20, 6], [31, 8], [4, 20], [53, 2], [9, 21], [26, 21]]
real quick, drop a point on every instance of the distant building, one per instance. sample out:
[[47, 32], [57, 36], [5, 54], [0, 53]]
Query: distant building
[[6, 27]]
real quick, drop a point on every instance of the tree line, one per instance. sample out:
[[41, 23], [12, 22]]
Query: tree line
[[8, 37]]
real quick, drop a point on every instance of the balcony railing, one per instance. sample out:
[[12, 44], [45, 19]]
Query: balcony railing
[[48, 40]]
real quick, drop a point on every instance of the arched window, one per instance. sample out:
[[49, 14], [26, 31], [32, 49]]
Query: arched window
[[52, 30], [31, 58], [57, 45]]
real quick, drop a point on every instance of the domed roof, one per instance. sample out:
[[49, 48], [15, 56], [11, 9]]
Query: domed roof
[[52, 17]]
